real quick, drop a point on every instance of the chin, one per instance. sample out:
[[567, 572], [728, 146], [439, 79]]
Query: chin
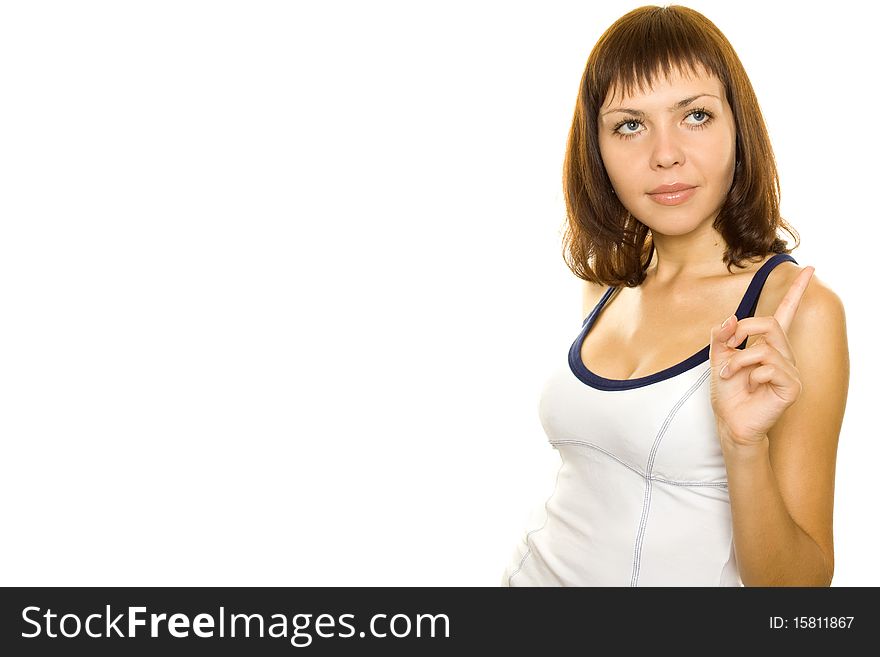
[[675, 224], [674, 231], [674, 220]]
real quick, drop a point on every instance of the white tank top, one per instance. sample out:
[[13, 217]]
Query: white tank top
[[641, 495]]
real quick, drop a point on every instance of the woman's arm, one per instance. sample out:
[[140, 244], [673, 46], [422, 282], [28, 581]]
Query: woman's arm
[[782, 488]]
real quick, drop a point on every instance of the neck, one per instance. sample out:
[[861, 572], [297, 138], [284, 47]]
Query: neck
[[687, 258]]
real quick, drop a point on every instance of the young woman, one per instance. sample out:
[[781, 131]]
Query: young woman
[[685, 463]]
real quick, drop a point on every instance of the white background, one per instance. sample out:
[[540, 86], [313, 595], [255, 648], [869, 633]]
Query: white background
[[280, 282]]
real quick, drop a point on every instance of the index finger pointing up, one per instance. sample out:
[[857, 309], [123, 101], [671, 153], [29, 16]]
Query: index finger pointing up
[[788, 306]]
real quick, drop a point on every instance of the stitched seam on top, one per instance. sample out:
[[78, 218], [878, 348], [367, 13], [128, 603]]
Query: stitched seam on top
[[674, 482], [604, 451], [546, 518], [640, 537]]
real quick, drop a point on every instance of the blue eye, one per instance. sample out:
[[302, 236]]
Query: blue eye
[[693, 126]]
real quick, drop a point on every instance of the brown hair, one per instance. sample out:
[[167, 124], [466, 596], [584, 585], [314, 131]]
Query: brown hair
[[634, 50]]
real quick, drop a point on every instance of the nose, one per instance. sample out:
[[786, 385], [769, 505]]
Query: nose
[[667, 150]]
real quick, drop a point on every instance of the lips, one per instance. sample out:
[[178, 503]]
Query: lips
[[673, 198], [668, 189]]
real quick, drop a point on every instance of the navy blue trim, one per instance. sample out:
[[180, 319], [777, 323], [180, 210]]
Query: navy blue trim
[[746, 309]]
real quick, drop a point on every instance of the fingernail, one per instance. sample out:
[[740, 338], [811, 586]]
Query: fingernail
[[732, 342], [723, 371], [727, 321]]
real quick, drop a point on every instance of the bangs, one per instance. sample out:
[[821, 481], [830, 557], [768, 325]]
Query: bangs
[[638, 52]]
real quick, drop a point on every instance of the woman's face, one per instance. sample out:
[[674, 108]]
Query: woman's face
[[669, 144]]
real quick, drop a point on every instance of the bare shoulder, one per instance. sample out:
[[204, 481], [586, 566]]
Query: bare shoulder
[[819, 325], [591, 293], [818, 299]]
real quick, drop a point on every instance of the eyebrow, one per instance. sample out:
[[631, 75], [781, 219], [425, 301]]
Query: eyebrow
[[682, 103]]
